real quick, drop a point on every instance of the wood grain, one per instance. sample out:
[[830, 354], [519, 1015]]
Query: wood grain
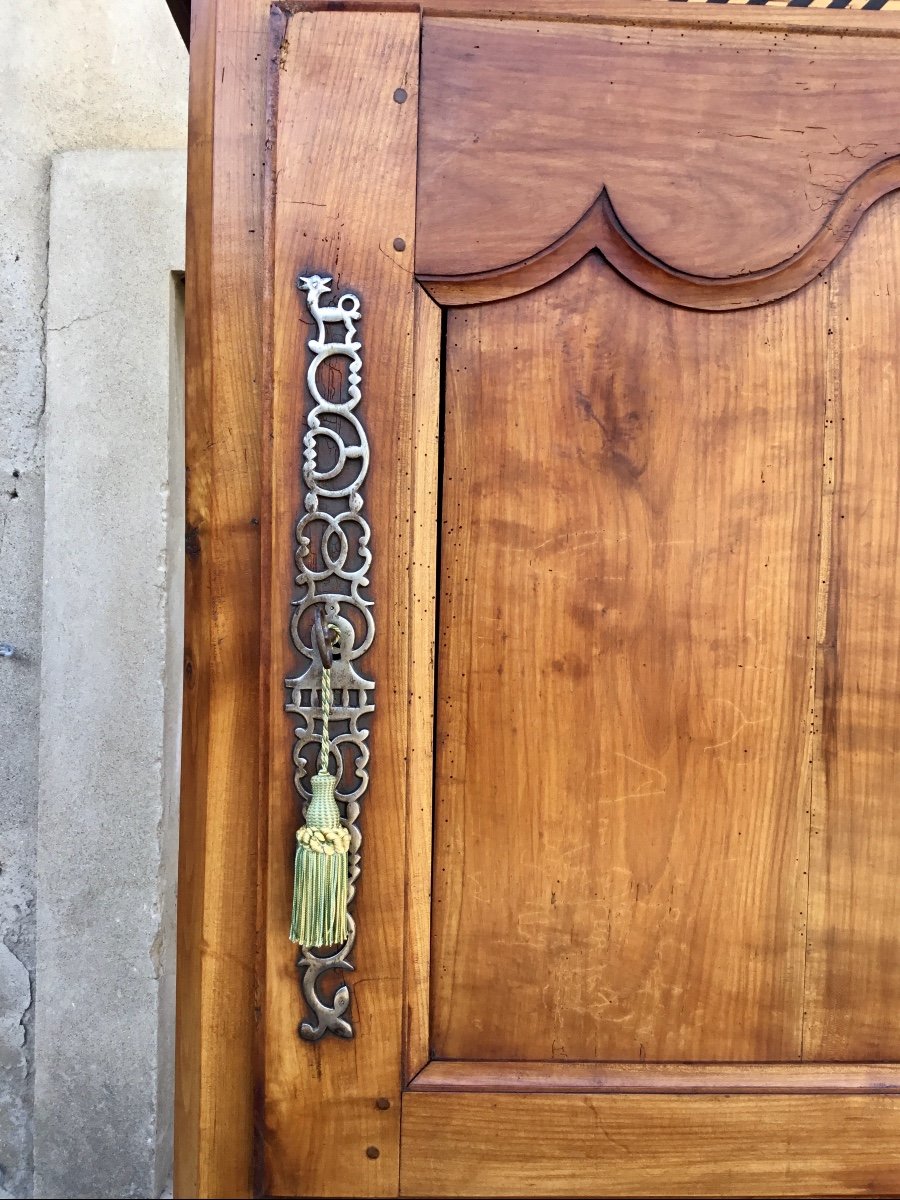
[[189, 1143], [471, 1145], [216, 977], [344, 166], [600, 229], [634, 13], [628, 592], [692, 1078], [853, 978], [746, 140], [703, 957], [422, 609]]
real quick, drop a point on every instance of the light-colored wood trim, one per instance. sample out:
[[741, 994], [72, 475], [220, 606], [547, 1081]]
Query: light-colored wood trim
[[632, 1078], [344, 165], [423, 611], [589, 1145], [217, 874]]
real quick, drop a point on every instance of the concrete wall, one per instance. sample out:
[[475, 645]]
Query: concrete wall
[[73, 73], [111, 676]]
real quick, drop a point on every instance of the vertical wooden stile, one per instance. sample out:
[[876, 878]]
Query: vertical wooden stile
[[344, 165], [216, 986]]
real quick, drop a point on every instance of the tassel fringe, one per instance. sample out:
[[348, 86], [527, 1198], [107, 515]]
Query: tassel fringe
[[321, 871], [319, 914]]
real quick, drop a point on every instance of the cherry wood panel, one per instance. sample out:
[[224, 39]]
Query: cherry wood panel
[[694, 1078], [745, 140], [216, 980], [853, 977], [628, 587], [343, 169], [851, 963], [483, 1145], [600, 229]]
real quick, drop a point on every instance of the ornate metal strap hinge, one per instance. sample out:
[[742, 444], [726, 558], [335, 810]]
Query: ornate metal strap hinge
[[333, 558]]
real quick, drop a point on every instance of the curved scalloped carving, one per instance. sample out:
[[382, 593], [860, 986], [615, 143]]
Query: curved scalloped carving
[[601, 230]]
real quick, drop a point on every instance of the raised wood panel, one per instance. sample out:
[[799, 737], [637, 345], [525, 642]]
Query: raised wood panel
[[853, 977], [600, 229], [629, 564], [483, 1145], [744, 142], [344, 190]]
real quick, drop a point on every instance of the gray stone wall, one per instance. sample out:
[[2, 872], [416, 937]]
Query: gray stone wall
[[73, 73], [111, 656]]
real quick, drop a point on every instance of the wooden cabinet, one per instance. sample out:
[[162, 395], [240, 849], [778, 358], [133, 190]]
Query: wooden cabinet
[[629, 283]]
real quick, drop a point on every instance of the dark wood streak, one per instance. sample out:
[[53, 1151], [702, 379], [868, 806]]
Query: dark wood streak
[[600, 230]]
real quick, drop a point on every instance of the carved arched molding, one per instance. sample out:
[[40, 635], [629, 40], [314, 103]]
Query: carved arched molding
[[600, 230]]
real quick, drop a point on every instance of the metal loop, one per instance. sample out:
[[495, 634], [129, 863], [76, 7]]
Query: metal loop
[[322, 640]]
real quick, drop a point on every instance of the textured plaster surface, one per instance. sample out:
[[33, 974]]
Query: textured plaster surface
[[73, 73], [112, 618]]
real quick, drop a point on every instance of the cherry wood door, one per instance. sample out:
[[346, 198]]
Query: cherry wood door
[[629, 282]]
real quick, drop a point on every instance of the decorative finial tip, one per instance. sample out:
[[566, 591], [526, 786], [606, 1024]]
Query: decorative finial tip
[[314, 284]]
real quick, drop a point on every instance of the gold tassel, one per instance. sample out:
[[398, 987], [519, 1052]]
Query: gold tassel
[[321, 865], [319, 912]]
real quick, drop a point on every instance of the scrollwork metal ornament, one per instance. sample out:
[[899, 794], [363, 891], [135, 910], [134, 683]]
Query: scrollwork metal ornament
[[333, 559]]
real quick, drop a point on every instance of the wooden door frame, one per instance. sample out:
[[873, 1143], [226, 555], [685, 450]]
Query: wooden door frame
[[219, 1002]]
